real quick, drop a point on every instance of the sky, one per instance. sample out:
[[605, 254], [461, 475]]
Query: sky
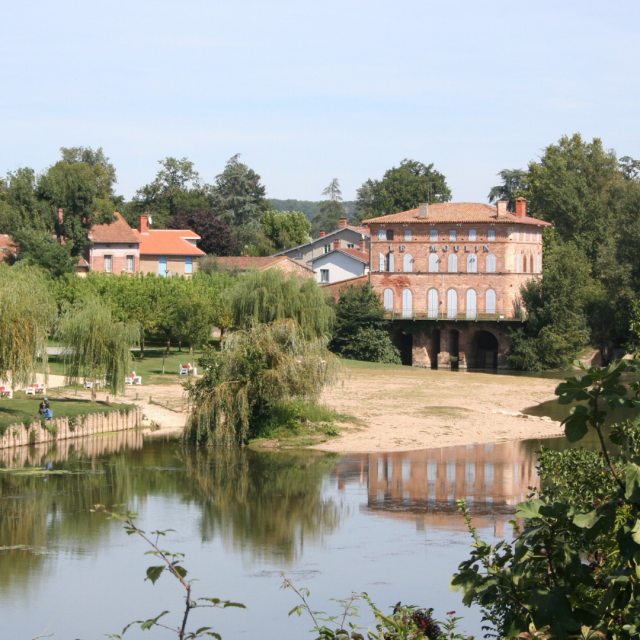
[[309, 91]]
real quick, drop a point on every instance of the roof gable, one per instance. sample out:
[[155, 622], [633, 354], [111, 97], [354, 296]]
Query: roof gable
[[115, 232], [361, 231], [168, 242], [351, 253]]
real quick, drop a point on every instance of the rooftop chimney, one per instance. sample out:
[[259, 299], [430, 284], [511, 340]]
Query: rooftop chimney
[[144, 225], [336, 243], [343, 223], [363, 245], [423, 210], [322, 234], [521, 207], [502, 208]]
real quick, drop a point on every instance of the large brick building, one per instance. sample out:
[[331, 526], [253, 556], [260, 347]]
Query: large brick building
[[460, 268]]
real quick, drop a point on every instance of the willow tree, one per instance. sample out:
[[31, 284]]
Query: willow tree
[[27, 314], [265, 296], [257, 369], [96, 346]]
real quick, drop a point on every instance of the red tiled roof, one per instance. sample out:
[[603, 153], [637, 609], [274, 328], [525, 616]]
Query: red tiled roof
[[6, 246], [167, 242], [116, 232], [456, 212]]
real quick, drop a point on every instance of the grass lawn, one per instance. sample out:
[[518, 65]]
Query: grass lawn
[[360, 364], [150, 368], [23, 408]]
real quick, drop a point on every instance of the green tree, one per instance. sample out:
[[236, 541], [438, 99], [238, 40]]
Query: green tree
[[177, 188], [102, 167], [331, 210], [556, 327], [40, 248], [216, 237], [258, 368], [359, 332], [95, 345], [27, 314], [266, 296], [512, 186], [402, 188], [285, 229]]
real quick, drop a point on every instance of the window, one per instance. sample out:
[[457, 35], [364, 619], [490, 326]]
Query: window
[[324, 275], [472, 263], [188, 265], [524, 236], [453, 235], [491, 263], [382, 234], [108, 264], [350, 245], [471, 304], [539, 263], [407, 303], [433, 235], [389, 234], [432, 299], [472, 235], [518, 258], [433, 263], [517, 236], [388, 299], [382, 262], [491, 235], [490, 304], [131, 264], [539, 237], [408, 235], [391, 262], [327, 248], [452, 303], [298, 254], [162, 267], [453, 263], [408, 262]]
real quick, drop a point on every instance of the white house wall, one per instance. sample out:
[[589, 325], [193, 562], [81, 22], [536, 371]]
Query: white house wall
[[341, 267]]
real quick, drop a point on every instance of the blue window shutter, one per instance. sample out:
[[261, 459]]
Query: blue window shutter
[[162, 266], [188, 265]]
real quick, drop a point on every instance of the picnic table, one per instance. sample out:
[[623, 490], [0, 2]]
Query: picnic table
[[6, 391], [132, 378], [186, 370], [35, 388], [89, 383]]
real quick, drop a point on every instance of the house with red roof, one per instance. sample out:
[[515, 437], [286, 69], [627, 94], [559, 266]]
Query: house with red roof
[[167, 252], [114, 248]]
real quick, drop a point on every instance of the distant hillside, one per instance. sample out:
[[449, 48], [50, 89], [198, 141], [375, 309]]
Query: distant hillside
[[308, 207]]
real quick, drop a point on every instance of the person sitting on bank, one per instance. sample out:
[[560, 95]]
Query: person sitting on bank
[[45, 408]]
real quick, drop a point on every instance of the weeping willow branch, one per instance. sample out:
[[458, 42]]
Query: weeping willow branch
[[257, 368], [96, 346], [27, 314]]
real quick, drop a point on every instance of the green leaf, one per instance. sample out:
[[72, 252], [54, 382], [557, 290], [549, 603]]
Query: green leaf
[[529, 509], [153, 573], [632, 492], [181, 571], [586, 520]]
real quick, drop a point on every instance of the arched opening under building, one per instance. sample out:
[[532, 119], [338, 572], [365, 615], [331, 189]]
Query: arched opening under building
[[404, 343], [484, 351], [435, 348], [454, 348]]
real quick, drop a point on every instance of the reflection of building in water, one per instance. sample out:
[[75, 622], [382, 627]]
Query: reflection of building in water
[[426, 484]]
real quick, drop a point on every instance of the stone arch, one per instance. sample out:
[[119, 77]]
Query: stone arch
[[484, 350]]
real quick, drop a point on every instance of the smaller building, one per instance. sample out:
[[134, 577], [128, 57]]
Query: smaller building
[[246, 263], [114, 248], [339, 264], [167, 252]]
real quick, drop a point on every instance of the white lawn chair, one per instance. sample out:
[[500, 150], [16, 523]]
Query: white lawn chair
[[132, 379], [35, 388], [184, 371], [6, 392]]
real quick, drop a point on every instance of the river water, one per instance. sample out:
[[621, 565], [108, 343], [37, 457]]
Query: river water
[[386, 524]]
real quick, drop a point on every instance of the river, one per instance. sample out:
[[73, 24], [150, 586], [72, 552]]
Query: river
[[386, 524]]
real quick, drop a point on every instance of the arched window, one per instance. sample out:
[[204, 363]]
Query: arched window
[[433, 235], [452, 303], [407, 303], [408, 235], [491, 263], [472, 235], [433, 303], [382, 262], [453, 263], [539, 237], [388, 299], [490, 301], [524, 236], [382, 234], [491, 235], [517, 236], [518, 257], [391, 263], [408, 262], [539, 263], [453, 235], [433, 263], [471, 304], [472, 263]]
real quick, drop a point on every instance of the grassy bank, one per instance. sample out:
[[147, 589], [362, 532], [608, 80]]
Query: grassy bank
[[24, 409]]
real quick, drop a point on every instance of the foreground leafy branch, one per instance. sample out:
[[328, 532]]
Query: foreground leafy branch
[[171, 562]]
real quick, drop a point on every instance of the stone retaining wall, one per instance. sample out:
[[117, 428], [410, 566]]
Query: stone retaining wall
[[17, 435]]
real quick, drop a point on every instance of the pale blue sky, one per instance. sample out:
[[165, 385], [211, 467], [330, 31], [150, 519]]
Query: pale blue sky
[[310, 91]]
